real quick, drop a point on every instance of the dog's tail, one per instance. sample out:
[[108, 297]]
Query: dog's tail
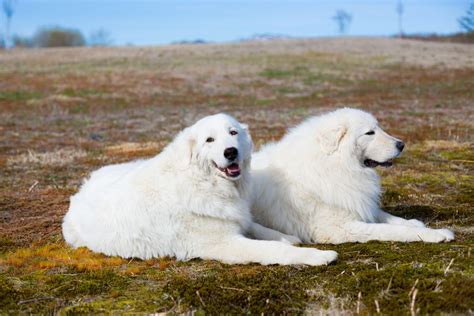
[[70, 233]]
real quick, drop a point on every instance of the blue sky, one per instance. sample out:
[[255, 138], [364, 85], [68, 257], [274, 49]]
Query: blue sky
[[142, 22]]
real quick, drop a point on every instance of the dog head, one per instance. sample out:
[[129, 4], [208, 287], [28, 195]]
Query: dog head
[[356, 133], [217, 144]]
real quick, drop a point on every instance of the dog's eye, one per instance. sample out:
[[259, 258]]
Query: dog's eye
[[370, 133], [233, 133], [209, 140]]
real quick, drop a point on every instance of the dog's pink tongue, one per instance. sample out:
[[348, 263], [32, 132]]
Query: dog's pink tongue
[[233, 168]]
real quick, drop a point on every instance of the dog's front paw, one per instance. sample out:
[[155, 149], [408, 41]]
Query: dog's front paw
[[292, 240], [436, 235], [329, 255], [448, 235], [416, 223], [319, 257]]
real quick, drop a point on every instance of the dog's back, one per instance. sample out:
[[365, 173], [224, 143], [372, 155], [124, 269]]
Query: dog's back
[[101, 199]]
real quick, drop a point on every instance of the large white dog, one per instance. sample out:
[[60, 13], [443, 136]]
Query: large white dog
[[319, 183], [189, 201]]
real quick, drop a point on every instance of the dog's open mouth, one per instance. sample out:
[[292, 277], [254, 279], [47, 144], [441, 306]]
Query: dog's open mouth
[[372, 163], [232, 170]]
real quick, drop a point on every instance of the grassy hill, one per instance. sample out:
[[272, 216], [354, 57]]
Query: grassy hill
[[65, 112]]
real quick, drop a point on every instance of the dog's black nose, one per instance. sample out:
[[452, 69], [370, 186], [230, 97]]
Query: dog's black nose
[[231, 153], [400, 145]]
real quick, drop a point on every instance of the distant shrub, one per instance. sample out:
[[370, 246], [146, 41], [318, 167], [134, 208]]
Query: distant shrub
[[58, 37], [467, 22], [190, 42], [100, 37], [21, 41]]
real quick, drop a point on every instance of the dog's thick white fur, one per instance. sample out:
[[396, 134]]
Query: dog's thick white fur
[[191, 200], [318, 183]]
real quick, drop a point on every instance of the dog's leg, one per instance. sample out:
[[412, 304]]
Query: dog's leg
[[363, 232], [387, 218], [240, 250], [261, 232]]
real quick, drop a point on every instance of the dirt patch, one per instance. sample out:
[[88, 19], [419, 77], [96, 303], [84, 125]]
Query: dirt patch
[[35, 216]]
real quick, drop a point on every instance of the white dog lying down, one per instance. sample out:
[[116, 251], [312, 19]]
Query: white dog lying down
[[189, 201], [319, 183]]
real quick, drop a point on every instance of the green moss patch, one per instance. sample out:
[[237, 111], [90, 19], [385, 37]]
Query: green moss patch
[[19, 95]]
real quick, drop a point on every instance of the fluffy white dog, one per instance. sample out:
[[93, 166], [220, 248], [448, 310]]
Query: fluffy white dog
[[189, 201], [319, 183]]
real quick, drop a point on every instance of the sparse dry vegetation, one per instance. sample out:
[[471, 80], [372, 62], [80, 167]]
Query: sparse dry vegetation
[[65, 112]]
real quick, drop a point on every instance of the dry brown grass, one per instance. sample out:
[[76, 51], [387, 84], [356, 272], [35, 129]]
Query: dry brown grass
[[59, 157]]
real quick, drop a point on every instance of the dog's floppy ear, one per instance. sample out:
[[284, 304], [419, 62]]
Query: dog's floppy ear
[[245, 128], [181, 149], [331, 138]]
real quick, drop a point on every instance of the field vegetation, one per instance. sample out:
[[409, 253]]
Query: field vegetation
[[65, 112]]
